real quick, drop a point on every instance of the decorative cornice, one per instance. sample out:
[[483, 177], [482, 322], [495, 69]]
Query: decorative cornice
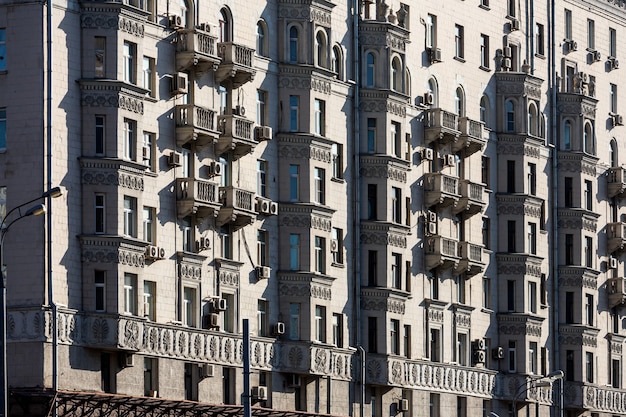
[[519, 204], [519, 265], [578, 276], [519, 324], [112, 249]]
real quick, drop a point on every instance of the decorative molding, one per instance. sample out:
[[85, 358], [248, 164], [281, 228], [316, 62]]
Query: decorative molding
[[112, 249]]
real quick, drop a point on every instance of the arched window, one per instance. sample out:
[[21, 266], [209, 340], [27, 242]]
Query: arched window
[[567, 135], [588, 139], [337, 61], [293, 44], [532, 119], [261, 39], [396, 75], [459, 102], [510, 116], [484, 110], [226, 26], [613, 153], [370, 75], [434, 92], [321, 49]]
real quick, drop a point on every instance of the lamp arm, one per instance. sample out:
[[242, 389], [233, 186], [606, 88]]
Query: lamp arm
[[54, 192]]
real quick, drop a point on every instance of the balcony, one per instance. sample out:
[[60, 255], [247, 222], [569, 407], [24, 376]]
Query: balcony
[[519, 388], [616, 290], [195, 196], [441, 252], [237, 207], [472, 198], [195, 124], [472, 136], [441, 126], [441, 189], [594, 398], [196, 49], [471, 262], [616, 236], [616, 181], [236, 135], [237, 64]]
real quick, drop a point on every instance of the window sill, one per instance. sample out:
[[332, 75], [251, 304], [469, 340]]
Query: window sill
[[338, 265], [484, 7], [337, 179], [486, 69], [460, 59], [149, 97], [540, 56], [151, 174], [486, 310]]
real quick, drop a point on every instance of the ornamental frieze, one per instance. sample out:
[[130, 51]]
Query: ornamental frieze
[[121, 179], [435, 315], [383, 304], [373, 39], [391, 173], [527, 329], [514, 207], [506, 148], [390, 239], [305, 290], [94, 99], [519, 269], [99, 21], [305, 152], [132, 27], [395, 42], [130, 104], [112, 255], [616, 347], [382, 105], [306, 83], [462, 320], [577, 166], [189, 271], [306, 221], [321, 17]]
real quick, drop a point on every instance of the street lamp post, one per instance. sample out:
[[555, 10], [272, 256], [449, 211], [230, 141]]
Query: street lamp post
[[544, 381], [5, 226]]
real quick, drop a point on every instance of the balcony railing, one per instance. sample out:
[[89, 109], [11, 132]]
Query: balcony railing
[[195, 123], [237, 63], [472, 197], [196, 48], [441, 125], [471, 138], [471, 255], [236, 135], [441, 252], [617, 181], [196, 196], [441, 189], [238, 206]]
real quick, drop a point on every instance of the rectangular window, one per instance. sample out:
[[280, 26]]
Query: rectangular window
[[294, 252], [431, 31], [569, 365], [532, 297], [510, 295], [99, 134], [294, 321], [460, 289], [100, 291], [435, 345], [569, 307], [458, 42], [569, 191], [532, 358], [510, 176], [372, 334], [396, 205], [320, 185], [588, 252], [540, 39], [462, 351], [486, 232], [588, 195], [130, 294], [532, 179], [147, 151], [148, 74], [262, 317], [130, 216], [294, 113], [372, 268], [568, 24], [337, 160], [396, 140], [406, 341], [613, 97], [434, 287], [100, 208], [336, 246], [99, 45], [487, 293], [262, 247], [150, 373], [261, 108], [338, 329], [320, 324], [294, 182], [319, 108], [616, 373], [484, 51], [589, 309], [512, 356], [3, 128], [3, 50], [532, 238], [261, 178], [511, 10], [149, 225], [188, 240], [434, 405], [511, 238], [612, 42], [394, 336], [130, 139], [189, 307], [371, 135], [396, 270], [320, 255], [230, 315], [130, 52], [372, 202], [589, 365], [591, 34], [149, 300]]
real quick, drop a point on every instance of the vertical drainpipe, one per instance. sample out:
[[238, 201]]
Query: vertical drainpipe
[[356, 245]]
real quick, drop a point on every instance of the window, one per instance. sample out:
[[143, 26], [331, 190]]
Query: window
[[148, 151], [261, 41], [510, 295], [371, 135], [532, 178], [394, 336], [484, 54], [338, 329], [100, 208], [407, 341], [189, 306], [591, 34], [540, 39], [487, 293], [396, 271], [186, 227], [130, 139], [320, 255], [150, 380], [613, 102], [148, 224], [148, 75], [588, 252], [431, 31], [99, 46], [293, 44], [370, 73], [589, 367], [320, 324], [130, 294], [485, 163], [372, 334], [459, 102], [294, 113], [510, 176], [130, 216], [294, 182], [395, 139], [337, 61], [294, 252], [320, 117], [261, 178], [616, 373], [434, 288], [396, 75], [588, 140], [511, 9], [458, 41], [512, 356], [532, 297], [261, 107], [372, 202], [567, 136], [532, 358], [337, 160], [510, 116], [434, 405], [226, 27], [568, 24], [588, 195], [149, 300], [568, 192], [569, 365], [435, 345], [321, 52], [262, 247], [511, 238], [462, 351], [226, 239], [320, 185], [100, 291], [569, 249], [612, 42], [337, 236], [262, 317], [396, 205], [532, 238], [460, 289], [294, 321], [486, 231], [99, 133], [130, 50], [589, 309]]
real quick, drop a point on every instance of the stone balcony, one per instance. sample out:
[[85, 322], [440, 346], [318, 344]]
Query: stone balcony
[[195, 124], [441, 189], [471, 262], [616, 236], [616, 291], [196, 50], [441, 252], [441, 126], [472, 200], [519, 387], [616, 181], [472, 137], [238, 207], [236, 135], [196, 196], [237, 64], [594, 398]]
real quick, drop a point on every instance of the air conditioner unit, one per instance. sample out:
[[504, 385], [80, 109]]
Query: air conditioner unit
[[214, 320], [450, 160], [273, 208], [613, 263], [161, 253], [263, 133], [263, 272], [515, 24], [206, 27], [429, 98], [174, 21], [179, 83], [259, 393], [432, 216], [145, 153], [596, 55], [428, 154], [279, 328], [571, 46], [506, 51], [497, 353], [221, 304], [127, 359], [215, 169], [506, 63], [173, 159], [207, 370], [239, 110], [334, 245], [618, 120], [478, 344], [403, 405], [434, 55], [293, 380], [583, 77], [204, 243], [263, 206], [152, 252], [613, 63], [479, 356], [432, 228]]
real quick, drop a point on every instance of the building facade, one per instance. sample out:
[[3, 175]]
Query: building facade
[[418, 206]]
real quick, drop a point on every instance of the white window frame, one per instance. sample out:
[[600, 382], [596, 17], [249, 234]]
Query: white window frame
[[130, 216]]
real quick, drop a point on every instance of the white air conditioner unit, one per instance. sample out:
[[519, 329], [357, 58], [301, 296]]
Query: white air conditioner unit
[[434, 54], [571, 46], [263, 206], [515, 24], [450, 160], [618, 120], [279, 328], [214, 320], [432, 216], [239, 110], [506, 51], [334, 245], [596, 55], [145, 153], [403, 405], [613, 63], [497, 353], [429, 98], [221, 304], [127, 359], [173, 159], [161, 253], [174, 21], [204, 243], [207, 370], [206, 27], [259, 393], [428, 154], [263, 272], [612, 263], [479, 356], [263, 133], [214, 168], [583, 77], [432, 228], [152, 252], [179, 83], [293, 380], [479, 344], [273, 208], [506, 63]]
